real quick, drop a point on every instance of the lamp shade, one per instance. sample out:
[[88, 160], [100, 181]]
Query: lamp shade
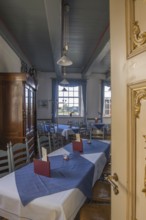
[[64, 89], [64, 61], [64, 82]]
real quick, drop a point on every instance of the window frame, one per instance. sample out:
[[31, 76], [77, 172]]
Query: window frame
[[106, 98], [62, 97]]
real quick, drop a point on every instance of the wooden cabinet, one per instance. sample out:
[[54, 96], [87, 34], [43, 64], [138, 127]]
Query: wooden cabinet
[[17, 109]]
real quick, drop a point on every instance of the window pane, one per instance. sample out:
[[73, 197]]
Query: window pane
[[68, 100], [76, 100], [70, 89], [76, 88], [65, 100], [71, 100], [60, 93], [70, 94], [65, 93], [60, 100], [76, 94]]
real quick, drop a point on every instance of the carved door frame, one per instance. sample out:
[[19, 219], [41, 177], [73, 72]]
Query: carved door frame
[[136, 93]]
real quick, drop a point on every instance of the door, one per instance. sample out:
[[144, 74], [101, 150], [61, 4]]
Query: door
[[128, 128], [137, 150]]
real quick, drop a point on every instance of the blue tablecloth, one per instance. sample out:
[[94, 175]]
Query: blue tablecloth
[[62, 127], [95, 146], [76, 172], [99, 125]]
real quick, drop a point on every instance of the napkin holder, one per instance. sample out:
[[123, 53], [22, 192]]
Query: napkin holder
[[77, 146], [42, 167]]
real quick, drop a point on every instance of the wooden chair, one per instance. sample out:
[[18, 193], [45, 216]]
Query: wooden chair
[[52, 128], [30, 143], [98, 133], [107, 170], [5, 162], [101, 192], [43, 141], [40, 128], [19, 155], [93, 211], [83, 131], [71, 137], [57, 140]]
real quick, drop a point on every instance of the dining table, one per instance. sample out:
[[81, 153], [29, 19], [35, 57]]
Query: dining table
[[66, 130], [29, 196]]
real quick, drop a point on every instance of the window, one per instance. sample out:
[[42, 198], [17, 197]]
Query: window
[[69, 101], [107, 102]]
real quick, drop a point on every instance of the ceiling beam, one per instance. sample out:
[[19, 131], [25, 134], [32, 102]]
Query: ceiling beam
[[104, 54], [99, 49]]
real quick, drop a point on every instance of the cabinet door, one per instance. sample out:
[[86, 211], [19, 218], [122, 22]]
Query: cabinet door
[[32, 109], [11, 109], [30, 116], [26, 110]]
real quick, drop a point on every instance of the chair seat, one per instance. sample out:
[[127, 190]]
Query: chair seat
[[101, 192], [93, 211]]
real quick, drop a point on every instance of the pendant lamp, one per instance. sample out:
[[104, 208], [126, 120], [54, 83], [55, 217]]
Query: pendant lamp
[[65, 60]]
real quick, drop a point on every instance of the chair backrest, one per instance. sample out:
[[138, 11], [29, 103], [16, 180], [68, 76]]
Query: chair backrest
[[43, 141], [30, 146], [5, 162], [41, 128], [52, 128], [56, 140], [19, 154]]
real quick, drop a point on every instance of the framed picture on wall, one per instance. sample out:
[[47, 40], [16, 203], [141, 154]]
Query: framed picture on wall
[[43, 103], [136, 27]]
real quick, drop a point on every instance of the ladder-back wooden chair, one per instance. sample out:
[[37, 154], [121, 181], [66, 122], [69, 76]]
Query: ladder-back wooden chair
[[43, 141], [57, 140], [19, 154], [5, 162]]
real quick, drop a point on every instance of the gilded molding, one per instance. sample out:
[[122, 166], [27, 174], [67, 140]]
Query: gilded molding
[[139, 38], [136, 38], [138, 96], [144, 188], [144, 137]]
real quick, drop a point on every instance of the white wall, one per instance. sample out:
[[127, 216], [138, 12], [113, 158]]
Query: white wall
[[44, 93], [93, 97], [9, 61]]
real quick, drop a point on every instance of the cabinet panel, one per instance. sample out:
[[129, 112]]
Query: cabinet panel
[[12, 93], [17, 112]]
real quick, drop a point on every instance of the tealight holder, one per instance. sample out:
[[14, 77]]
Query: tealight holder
[[65, 157]]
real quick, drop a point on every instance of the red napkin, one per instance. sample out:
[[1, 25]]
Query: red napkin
[[42, 167], [77, 146]]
